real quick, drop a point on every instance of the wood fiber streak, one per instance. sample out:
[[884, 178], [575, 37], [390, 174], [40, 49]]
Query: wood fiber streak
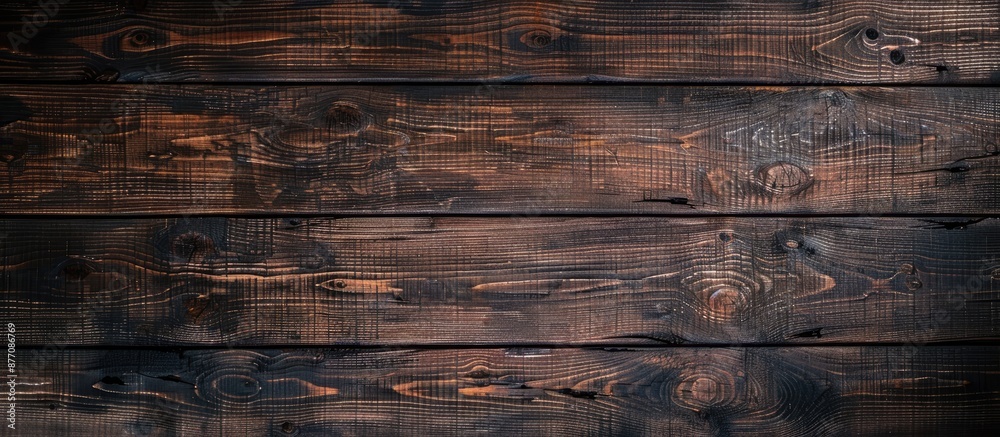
[[490, 149], [770, 41], [501, 281], [571, 392]]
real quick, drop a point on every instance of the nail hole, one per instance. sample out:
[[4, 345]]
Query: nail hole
[[897, 57], [871, 34]]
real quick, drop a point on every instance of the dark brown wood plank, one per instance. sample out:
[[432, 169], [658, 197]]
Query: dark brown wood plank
[[518, 150], [572, 392], [501, 281], [771, 41]]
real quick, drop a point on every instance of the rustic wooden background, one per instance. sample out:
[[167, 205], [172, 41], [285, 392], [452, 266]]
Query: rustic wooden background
[[453, 217]]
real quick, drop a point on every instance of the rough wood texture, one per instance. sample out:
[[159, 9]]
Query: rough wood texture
[[501, 281], [519, 149], [368, 175], [571, 392], [771, 41]]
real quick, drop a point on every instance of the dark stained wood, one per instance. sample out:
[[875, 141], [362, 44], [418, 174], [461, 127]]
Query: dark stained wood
[[519, 149], [501, 281], [771, 41], [321, 217], [571, 392]]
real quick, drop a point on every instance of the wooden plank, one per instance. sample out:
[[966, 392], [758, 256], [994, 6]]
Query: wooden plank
[[518, 150], [769, 41], [501, 281], [572, 392]]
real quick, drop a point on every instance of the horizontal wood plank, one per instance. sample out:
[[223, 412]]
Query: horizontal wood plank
[[771, 41], [572, 392], [508, 150], [498, 281]]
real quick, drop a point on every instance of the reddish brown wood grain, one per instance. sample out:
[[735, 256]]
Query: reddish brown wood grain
[[674, 391], [507, 150], [368, 217], [501, 281], [773, 41]]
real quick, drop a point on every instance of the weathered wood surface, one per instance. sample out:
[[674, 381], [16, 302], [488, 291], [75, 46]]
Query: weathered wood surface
[[518, 149], [501, 281], [572, 392], [771, 41]]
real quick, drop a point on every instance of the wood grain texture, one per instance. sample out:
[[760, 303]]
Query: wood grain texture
[[501, 281], [508, 150], [572, 392], [773, 41]]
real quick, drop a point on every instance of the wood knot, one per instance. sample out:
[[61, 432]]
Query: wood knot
[[913, 283], [239, 386], [871, 34], [725, 302], [236, 381], [540, 38], [287, 428], [346, 118], [990, 148], [896, 57], [723, 295], [370, 287], [142, 39], [706, 388], [479, 372], [79, 275], [77, 271], [195, 307], [995, 274], [192, 247], [537, 39], [783, 179]]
